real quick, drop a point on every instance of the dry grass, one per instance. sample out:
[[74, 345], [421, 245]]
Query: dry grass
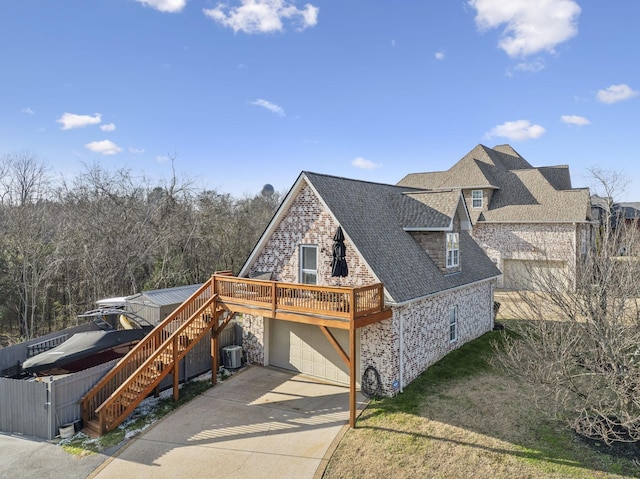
[[479, 424]]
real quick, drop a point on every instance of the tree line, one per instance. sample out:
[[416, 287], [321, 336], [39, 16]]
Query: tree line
[[110, 233]]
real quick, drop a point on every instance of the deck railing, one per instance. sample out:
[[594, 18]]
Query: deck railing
[[338, 302]]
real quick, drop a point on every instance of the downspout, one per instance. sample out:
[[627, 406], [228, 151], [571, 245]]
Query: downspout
[[401, 351]]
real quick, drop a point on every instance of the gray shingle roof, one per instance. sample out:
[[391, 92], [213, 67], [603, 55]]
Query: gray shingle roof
[[426, 210], [522, 192], [373, 217]]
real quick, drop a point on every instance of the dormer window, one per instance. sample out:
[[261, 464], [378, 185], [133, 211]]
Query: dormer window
[[476, 199], [453, 250]]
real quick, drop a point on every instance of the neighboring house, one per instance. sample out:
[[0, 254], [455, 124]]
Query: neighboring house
[[529, 220], [625, 214], [438, 283], [628, 212]]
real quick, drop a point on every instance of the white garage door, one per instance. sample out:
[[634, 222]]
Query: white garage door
[[529, 274], [304, 348]]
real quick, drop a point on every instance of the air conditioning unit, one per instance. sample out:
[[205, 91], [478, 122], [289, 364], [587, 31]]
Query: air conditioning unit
[[232, 357]]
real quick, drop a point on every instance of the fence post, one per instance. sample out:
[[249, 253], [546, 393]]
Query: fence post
[[50, 404]]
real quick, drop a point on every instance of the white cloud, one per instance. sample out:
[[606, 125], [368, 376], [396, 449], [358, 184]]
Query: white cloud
[[108, 127], [263, 16], [393, 43], [439, 55], [269, 106], [71, 120], [162, 159], [364, 164], [615, 93], [136, 151], [168, 6], [104, 147], [28, 111], [575, 120], [519, 130], [533, 67], [531, 26]]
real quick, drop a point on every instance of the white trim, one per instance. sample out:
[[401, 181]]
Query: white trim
[[301, 270], [473, 199], [447, 228], [454, 238], [453, 309], [444, 291], [275, 221], [465, 225], [572, 222]]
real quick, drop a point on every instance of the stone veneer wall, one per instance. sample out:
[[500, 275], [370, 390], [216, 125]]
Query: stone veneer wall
[[307, 223], [253, 338], [527, 241], [426, 333]]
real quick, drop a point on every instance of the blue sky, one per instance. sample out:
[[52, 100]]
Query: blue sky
[[249, 92]]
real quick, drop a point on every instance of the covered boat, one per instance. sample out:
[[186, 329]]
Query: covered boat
[[113, 340]]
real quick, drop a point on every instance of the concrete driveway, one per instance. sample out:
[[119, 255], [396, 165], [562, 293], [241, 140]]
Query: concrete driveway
[[28, 457], [261, 423]]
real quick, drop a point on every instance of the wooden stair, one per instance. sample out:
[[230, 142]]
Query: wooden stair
[[157, 355]]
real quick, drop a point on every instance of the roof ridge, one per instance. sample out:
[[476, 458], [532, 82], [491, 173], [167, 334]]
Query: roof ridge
[[305, 172]]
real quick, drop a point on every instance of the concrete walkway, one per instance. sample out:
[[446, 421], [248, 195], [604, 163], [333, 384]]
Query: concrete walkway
[[261, 423]]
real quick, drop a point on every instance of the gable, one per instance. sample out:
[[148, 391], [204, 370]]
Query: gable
[[516, 191], [305, 220], [378, 247]]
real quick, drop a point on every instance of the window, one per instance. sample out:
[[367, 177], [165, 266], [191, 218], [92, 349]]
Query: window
[[453, 324], [476, 198], [453, 250], [309, 264]]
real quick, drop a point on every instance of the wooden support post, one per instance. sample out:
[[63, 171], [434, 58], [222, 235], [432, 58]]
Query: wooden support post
[[352, 362], [274, 299], [215, 350], [176, 370]]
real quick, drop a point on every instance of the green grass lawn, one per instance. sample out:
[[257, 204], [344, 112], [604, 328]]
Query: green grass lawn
[[466, 418]]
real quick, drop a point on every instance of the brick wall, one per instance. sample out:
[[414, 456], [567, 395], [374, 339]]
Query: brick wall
[[253, 338], [527, 241], [425, 333], [306, 223]]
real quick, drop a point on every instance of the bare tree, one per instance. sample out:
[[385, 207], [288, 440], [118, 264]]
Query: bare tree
[[580, 341], [110, 233], [25, 178]]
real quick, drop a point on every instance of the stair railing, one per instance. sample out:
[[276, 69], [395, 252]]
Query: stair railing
[[130, 363], [158, 365]]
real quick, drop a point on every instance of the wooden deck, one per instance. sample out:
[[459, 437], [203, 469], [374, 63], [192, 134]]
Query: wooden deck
[[327, 307], [331, 306]]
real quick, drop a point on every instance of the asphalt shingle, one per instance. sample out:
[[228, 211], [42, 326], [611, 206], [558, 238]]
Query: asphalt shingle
[[522, 193], [373, 216]]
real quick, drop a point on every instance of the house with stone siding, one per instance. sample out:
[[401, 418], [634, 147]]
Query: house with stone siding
[[529, 220], [438, 282]]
